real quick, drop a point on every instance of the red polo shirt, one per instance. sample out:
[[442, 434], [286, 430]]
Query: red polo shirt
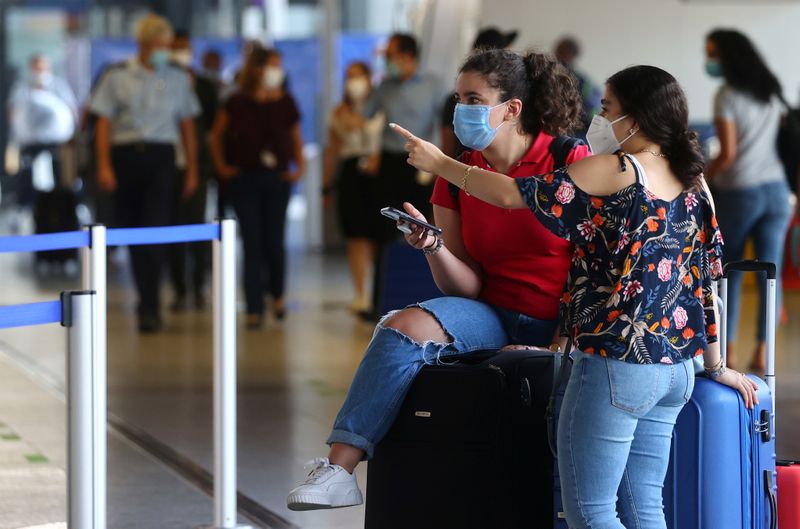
[[524, 265]]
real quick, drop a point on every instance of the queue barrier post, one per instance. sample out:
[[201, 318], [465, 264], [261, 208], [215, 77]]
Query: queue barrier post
[[83, 313], [224, 301], [94, 258], [85, 458]]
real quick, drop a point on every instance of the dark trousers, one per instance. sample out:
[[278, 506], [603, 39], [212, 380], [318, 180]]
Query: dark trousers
[[193, 257], [260, 198], [145, 193], [28, 153], [397, 183]]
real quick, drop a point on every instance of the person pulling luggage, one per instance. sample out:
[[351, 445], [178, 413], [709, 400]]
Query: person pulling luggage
[[638, 304]]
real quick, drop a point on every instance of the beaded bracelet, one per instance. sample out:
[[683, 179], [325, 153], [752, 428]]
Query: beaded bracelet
[[717, 370], [434, 248]]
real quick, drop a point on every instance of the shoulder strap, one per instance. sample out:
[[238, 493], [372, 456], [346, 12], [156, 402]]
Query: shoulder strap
[[641, 175], [560, 149]]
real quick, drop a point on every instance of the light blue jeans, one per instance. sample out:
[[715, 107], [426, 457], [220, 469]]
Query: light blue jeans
[[763, 213], [614, 436], [393, 360]]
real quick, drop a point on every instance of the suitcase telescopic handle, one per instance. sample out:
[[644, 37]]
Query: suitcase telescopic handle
[[752, 266], [772, 309]]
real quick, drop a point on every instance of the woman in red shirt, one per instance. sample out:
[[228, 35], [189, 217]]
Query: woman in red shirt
[[501, 270]]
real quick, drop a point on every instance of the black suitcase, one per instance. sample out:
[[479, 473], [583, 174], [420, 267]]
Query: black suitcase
[[469, 449], [55, 211]]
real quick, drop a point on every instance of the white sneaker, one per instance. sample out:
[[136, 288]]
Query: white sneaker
[[327, 487]]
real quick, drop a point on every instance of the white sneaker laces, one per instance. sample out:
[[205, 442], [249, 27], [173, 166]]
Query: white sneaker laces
[[318, 467]]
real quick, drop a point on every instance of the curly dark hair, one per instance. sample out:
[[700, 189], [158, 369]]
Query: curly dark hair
[[657, 102], [550, 99], [742, 65]]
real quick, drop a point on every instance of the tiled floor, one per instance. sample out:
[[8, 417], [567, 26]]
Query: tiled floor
[[142, 493], [292, 377]]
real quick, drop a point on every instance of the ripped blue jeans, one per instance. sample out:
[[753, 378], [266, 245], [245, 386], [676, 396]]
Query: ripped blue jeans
[[393, 360]]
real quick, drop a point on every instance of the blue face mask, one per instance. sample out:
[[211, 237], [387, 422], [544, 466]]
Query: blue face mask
[[392, 70], [714, 68], [159, 58], [472, 128]]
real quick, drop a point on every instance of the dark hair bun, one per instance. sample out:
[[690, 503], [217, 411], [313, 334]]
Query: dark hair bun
[[550, 99], [556, 103]]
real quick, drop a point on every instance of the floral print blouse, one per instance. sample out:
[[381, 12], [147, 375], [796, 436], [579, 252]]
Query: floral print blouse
[[639, 286]]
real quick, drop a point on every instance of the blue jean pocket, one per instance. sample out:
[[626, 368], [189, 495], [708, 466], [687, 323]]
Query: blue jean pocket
[[633, 386]]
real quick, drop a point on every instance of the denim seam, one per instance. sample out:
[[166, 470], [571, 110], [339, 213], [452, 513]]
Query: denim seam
[[368, 447], [392, 405], [571, 451], [394, 402], [687, 393], [671, 379], [626, 476]]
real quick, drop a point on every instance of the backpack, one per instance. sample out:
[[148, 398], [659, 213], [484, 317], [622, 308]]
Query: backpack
[[559, 150], [789, 144]]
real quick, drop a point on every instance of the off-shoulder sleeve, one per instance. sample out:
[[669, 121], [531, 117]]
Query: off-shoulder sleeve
[[712, 263], [560, 205]]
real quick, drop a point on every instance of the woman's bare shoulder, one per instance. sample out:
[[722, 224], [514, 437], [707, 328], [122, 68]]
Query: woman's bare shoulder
[[602, 174]]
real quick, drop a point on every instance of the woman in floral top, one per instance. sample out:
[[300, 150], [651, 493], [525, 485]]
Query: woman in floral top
[[638, 302]]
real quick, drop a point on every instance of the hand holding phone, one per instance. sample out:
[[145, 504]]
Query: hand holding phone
[[405, 221]]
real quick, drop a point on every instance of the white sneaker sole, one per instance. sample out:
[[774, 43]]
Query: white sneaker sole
[[313, 502]]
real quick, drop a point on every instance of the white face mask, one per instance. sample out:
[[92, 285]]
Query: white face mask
[[601, 137], [42, 78], [273, 77], [357, 89], [182, 57]]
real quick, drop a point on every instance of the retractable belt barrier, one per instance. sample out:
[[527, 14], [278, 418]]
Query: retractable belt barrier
[[84, 313], [85, 446]]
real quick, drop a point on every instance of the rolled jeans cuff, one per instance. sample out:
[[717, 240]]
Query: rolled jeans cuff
[[354, 440]]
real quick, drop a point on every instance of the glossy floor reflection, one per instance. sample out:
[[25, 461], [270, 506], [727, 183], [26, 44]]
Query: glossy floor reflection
[[292, 375]]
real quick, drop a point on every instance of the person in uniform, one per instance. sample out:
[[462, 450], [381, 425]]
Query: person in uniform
[[143, 107]]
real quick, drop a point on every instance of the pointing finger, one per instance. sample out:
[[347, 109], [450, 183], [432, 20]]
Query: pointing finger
[[403, 132]]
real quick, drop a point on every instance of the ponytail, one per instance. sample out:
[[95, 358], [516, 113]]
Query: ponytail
[[553, 104], [686, 157]]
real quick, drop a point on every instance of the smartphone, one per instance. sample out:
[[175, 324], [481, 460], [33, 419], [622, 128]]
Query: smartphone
[[404, 219]]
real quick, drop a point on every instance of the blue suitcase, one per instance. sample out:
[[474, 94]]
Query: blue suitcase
[[722, 464], [406, 278]]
